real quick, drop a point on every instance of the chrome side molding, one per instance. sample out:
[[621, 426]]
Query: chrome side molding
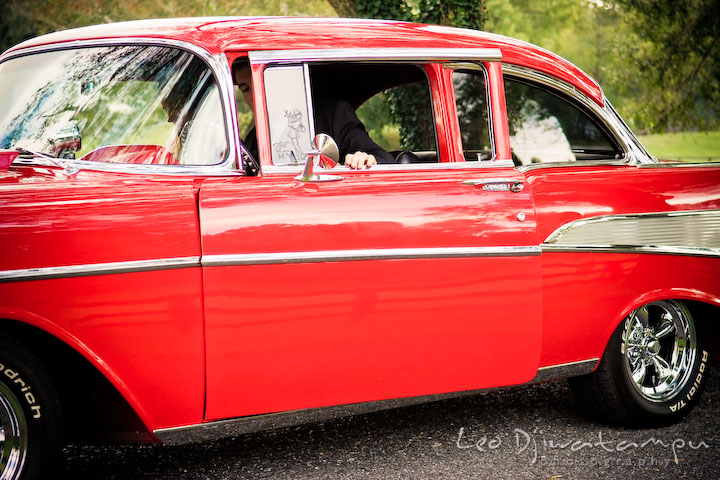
[[695, 233], [66, 271], [369, 254]]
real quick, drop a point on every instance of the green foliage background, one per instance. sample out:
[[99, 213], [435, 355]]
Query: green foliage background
[[658, 61]]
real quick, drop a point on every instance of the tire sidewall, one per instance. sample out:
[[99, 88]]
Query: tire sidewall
[[23, 375]]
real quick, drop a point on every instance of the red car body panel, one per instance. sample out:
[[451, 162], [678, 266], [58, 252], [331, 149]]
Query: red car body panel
[[207, 341], [140, 329], [277, 332], [619, 282]]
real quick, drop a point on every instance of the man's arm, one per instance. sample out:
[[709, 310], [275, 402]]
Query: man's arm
[[338, 119]]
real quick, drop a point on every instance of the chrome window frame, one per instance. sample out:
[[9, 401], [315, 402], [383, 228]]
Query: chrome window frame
[[303, 66], [447, 56], [634, 152], [481, 67], [220, 69], [437, 55]]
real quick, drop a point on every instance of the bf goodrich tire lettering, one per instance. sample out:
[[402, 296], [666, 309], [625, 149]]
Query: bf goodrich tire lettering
[[30, 417]]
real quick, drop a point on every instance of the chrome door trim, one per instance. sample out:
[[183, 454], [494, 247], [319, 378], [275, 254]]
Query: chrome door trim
[[693, 232], [110, 268], [375, 55], [66, 271], [389, 167], [217, 64], [370, 254]]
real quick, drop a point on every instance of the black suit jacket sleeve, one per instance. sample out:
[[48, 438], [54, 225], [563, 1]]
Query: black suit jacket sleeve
[[338, 119]]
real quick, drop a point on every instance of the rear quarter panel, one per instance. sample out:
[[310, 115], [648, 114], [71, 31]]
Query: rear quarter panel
[[587, 294]]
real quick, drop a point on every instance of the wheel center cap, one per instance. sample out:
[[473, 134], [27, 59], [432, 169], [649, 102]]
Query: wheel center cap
[[653, 347]]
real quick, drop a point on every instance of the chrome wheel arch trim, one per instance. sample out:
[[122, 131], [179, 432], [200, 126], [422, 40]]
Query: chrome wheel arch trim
[[218, 429], [218, 65], [694, 233]]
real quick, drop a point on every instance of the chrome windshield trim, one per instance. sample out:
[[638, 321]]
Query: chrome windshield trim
[[218, 65], [693, 232], [565, 370], [375, 55], [371, 254], [295, 170], [634, 153], [66, 271]]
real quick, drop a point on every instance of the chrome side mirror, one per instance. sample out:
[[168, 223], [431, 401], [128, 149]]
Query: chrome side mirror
[[327, 153]]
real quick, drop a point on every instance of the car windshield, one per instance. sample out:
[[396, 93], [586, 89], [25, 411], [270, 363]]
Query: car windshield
[[120, 104]]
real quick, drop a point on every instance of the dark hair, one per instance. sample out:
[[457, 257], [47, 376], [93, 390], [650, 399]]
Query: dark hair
[[239, 63]]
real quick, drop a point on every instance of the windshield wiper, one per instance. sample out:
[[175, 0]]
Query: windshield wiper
[[69, 170]]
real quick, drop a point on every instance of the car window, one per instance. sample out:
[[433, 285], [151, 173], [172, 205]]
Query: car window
[[288, 114], [472, 110], [384, 116], [120, 104], [547, 127], [391, 101]]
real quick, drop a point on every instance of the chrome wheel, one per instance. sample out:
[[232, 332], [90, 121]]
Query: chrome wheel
[[659, 348], [13, 435]]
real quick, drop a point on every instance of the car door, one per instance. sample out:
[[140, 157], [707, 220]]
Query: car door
[[388, 282]]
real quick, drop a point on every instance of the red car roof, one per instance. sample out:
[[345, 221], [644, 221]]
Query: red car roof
[[220, 34]]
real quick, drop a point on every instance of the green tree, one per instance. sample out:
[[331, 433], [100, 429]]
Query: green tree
[[21, 19], [405, 104], [15, 24], [676, 50]]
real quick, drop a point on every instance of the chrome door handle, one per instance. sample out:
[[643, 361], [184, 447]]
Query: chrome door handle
[[497, 184]]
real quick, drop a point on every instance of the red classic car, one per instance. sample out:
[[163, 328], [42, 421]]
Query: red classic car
[[180, 265]]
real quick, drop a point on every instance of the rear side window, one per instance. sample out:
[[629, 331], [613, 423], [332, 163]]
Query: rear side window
[[472, 110], [392, 101], [545, 127]]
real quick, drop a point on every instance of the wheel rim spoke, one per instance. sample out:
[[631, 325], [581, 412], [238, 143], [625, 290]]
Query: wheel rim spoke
[[642, 316], [13, 435], [662, 367], [660, 349], [665, 328], [639, 372]]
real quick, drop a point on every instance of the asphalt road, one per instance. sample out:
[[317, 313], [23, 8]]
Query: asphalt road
[[529, 432]]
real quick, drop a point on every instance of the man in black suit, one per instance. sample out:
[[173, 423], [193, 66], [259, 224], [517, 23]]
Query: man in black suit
[[333, 117]]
